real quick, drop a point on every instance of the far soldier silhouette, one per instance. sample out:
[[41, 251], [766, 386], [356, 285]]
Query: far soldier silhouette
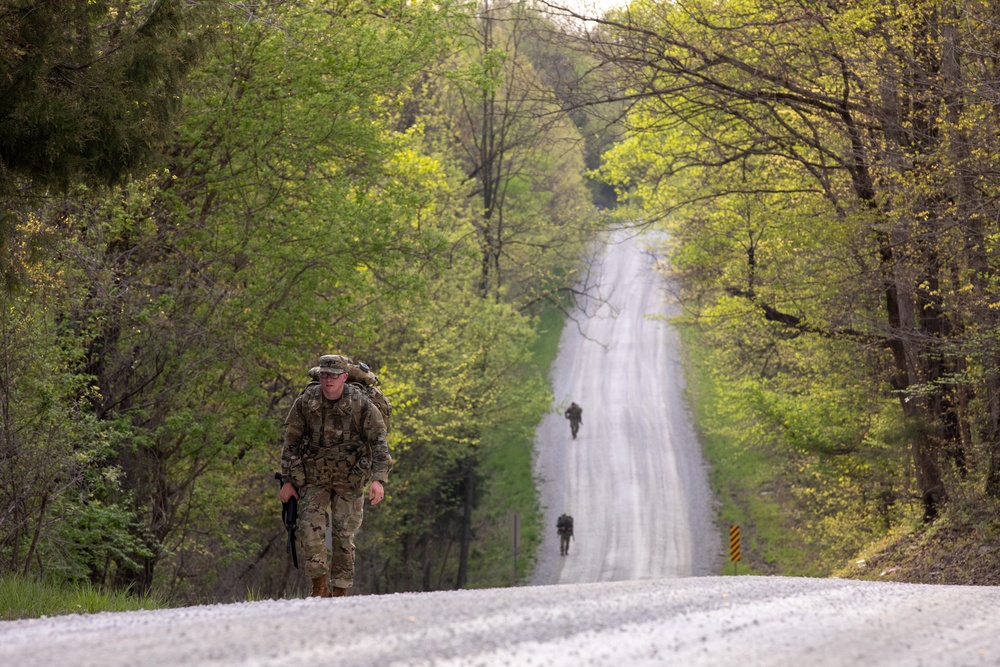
[[574, 413], [564, 524]]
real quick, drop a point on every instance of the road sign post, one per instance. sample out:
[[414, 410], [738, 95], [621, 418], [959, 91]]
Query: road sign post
[[734, 546], [516, 539]]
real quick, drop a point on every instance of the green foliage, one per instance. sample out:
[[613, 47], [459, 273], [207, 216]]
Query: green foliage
[[465, 374], [28, 598], [502, 135], [510, 489], [89, 88], [302, 203], [98, 535], [510, 481], [828, 191], [285, 207], [58, 471], [811, 474], [457, 369]]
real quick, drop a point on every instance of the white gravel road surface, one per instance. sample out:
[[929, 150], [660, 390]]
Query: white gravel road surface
[[634, 480], [689, 622]]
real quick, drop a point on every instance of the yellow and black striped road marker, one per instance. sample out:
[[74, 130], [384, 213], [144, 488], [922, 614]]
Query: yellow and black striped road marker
[[734, 545]]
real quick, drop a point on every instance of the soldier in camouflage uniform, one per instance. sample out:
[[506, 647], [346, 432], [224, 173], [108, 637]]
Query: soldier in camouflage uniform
[[574, 413], [335, 444], [564, 525]]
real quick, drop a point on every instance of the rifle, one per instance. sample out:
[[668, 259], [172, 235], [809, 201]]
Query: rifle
[[289, 517]]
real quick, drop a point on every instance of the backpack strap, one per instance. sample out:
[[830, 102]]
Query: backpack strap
[[322, 422], [347, 417]]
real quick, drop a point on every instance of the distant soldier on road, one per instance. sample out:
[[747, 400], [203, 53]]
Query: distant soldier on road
[[574, 413], [564, 524]]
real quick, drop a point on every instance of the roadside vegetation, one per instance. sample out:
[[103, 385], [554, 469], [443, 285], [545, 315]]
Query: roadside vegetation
[[509, 480], [826, 175], [801, 512], [508, 487], [22, 597], [239, 190], [820, 513]]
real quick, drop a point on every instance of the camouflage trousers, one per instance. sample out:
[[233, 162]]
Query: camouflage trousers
[[347, 511]]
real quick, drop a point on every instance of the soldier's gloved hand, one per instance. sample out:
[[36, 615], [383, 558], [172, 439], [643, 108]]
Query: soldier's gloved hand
[[287, 491], [376, 493]]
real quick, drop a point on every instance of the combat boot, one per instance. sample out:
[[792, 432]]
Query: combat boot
[[339, 592], [319, 587]]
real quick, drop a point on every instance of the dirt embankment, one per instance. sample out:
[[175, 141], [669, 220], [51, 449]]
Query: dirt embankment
[[962, 547]]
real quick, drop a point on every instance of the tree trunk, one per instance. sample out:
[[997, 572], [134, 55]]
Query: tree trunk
[[991, 431], [466, 532]]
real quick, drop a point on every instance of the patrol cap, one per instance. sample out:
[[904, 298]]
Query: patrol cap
[[333, 363]]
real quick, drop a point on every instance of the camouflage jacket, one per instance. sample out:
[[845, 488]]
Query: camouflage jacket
[[334, 442]]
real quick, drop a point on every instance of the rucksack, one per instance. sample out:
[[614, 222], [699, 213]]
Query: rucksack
[[379, 400]]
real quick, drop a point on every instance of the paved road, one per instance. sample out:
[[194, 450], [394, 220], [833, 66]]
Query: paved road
[[634, 479]]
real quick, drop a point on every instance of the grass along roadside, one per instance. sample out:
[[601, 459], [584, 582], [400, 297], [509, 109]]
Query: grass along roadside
[[28, 598], [747, 480], [510, 483]]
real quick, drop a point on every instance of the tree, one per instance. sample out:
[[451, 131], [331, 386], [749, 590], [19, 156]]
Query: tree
[[872, 110], [88, 90], [519, 153], [492, 121], [296, 208], [276, 221]]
